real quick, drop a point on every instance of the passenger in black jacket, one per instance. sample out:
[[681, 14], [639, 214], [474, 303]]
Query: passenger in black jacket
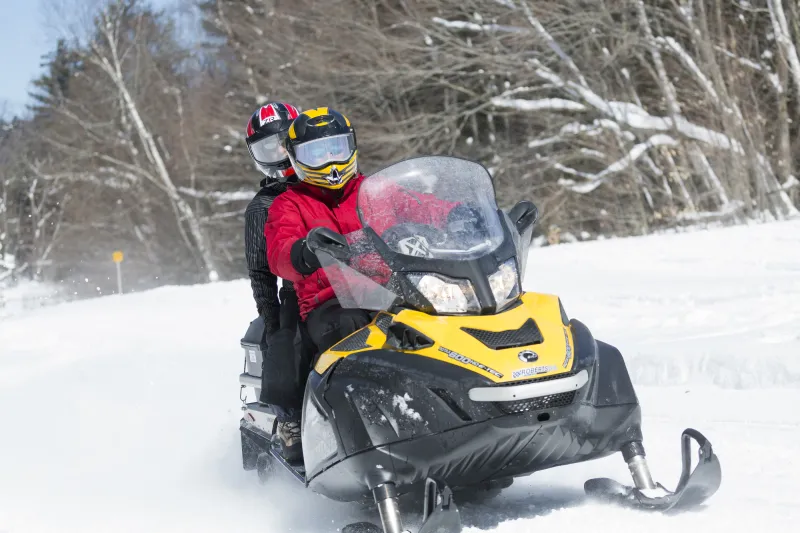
[[263, 282], [288, 356]]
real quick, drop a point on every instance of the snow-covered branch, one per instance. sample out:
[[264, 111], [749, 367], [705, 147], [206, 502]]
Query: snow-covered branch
[[218, 196], [544, 104], [633, 116], [474, 26], [551, 42], [783, 37], [675, 47], [595, 180]]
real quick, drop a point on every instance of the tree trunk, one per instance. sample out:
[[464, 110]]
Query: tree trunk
[[114, 70]]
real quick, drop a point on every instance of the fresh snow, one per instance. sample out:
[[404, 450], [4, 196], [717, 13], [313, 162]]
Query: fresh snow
[[121, 413], [401, 403]]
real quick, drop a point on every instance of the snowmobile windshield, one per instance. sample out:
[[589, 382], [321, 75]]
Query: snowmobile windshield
[[434, 212], [433, 207]]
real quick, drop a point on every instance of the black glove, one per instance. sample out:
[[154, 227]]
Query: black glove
[[303, 259], [351, 320], [304, 251], [465, 220], [328, 241], [290, 310]]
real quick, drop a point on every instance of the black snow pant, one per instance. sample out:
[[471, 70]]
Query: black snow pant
[[330, 323], [287, 362]]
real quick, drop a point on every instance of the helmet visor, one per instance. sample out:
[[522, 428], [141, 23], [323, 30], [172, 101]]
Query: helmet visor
[[321, 152], [269, 150]]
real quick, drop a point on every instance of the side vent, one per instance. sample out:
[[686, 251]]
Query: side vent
[[383, 321], [528, 333], [403, 337], [448, 399], [356, 341]]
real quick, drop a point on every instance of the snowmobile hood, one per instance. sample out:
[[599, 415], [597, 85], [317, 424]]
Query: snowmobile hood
[[530, 340]]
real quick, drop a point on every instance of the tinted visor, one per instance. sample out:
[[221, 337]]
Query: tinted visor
[[269, 150], [325, 151]]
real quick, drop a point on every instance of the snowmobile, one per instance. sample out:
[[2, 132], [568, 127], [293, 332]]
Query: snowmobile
[[462, 378]]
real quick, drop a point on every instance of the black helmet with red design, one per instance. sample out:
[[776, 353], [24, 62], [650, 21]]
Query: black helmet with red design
[[266, 132]]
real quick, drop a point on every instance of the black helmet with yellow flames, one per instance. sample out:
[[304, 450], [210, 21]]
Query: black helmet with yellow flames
[[321, 144]]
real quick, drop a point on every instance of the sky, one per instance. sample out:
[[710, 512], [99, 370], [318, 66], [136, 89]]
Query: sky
[[26, 34]]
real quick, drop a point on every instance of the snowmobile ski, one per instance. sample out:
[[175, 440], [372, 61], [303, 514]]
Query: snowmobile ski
[[439, 514], [694, 487], [362, 527]]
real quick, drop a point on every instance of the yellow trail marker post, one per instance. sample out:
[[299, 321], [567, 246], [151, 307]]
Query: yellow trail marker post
[[117, 257]]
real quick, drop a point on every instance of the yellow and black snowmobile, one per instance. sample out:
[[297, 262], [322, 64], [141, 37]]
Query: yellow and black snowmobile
[[462, 378]]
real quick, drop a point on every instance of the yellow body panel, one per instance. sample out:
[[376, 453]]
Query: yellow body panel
[[376, 340], [320, 177], [454, 346]]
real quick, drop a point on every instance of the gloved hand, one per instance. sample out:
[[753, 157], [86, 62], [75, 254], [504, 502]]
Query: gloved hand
[[328, 241], [304, 260], [290, 310], [320, 239], [465, 221], [351, 320]]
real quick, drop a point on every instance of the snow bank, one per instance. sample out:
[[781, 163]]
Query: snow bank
[[717, 307], [27, 296]]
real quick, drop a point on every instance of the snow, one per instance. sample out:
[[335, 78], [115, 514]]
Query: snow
[[401, 403], [472, 26], [121, 413], [25, 296], [545, 104], [221, 197]]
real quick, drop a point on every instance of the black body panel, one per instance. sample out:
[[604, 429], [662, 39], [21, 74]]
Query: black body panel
[[402, 418]]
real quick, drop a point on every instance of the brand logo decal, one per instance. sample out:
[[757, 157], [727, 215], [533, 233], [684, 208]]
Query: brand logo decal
[[467, 361], [533, 371], [268, 114], [528, 356], [416, 246], [334, 178]]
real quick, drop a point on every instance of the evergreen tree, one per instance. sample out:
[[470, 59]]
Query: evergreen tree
[[52, 87]]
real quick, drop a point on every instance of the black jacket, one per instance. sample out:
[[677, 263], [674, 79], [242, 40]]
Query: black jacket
[[263, 282]]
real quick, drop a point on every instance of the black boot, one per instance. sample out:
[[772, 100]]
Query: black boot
[[289, 438]]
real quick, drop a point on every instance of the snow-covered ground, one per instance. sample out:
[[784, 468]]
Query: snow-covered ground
[[120, 413]]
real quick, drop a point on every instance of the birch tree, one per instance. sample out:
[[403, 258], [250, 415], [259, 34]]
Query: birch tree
[[106, 52]]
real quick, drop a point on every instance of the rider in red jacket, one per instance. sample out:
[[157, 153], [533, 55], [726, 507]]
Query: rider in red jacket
[[321, 145], [322, 148], [300, 209]]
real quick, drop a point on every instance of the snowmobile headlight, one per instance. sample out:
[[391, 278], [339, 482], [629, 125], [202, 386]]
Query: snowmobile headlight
[[504, 283], [447, 295], [319, 441]]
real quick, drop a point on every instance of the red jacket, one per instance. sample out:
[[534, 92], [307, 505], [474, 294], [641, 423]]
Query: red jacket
[[304, 207]]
